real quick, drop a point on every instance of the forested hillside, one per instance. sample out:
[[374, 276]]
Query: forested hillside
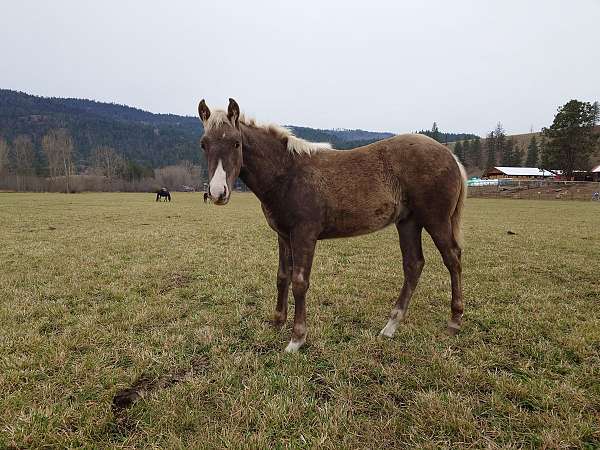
[[148, 139], [45, 142], [341, 139], [141, 137]]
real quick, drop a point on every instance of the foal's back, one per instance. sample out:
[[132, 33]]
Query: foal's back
[[368, 188], [405, 157]]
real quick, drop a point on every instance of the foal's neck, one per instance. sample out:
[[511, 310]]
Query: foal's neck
[[265, 160]]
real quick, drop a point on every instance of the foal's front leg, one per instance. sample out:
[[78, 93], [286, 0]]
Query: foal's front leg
[[284, 275], [303, 245]]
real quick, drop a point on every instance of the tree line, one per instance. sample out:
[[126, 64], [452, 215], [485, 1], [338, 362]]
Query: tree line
[[444, 137], [565, 145], [21, 169], [71, 145], [148, 139]]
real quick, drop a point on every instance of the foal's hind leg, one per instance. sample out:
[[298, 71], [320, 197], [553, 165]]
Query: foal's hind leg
[[451, 253], [412, 261]]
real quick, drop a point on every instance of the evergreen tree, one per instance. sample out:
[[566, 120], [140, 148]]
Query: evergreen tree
[[507, 157], [467, 152], [571, 140], [135, 172], [512, 154], [518, 155], [532, 153], [435, 132], [499, 141], [476, 152], [544, 159], [458, 151], [490, 144]]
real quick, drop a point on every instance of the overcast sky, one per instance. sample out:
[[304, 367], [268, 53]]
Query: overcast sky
[[378, 65]]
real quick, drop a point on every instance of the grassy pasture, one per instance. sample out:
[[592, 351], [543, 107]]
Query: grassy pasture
[[100, 291]]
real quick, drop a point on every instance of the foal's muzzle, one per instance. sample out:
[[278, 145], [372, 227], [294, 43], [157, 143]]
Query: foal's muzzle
[[222, 198]]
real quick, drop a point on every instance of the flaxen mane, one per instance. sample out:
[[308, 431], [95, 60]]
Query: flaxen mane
[[294, 144]]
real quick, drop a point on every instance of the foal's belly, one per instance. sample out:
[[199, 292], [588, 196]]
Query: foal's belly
[[347, 222]]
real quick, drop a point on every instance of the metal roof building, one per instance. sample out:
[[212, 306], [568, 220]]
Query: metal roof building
[[517, 172]]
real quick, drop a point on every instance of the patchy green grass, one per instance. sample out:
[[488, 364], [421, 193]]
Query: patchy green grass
[[99, 291]]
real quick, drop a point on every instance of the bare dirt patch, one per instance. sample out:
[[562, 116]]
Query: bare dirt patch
[[144, 385]]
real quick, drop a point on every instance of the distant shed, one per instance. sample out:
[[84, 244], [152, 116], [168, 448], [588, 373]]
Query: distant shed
[[519, 173], [595, 173]]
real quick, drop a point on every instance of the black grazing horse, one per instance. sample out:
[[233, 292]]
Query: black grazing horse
[[163, 192]]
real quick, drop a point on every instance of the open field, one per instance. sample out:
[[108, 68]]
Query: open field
[[537, 190], [99, 291]]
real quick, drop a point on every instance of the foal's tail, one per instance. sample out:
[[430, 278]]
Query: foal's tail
[[457, 214]]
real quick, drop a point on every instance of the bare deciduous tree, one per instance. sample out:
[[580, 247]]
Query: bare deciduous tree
[[23, 158], [58, 147], [182, 175], [172, 177], [3, 156], [106, 161], [49, 146]]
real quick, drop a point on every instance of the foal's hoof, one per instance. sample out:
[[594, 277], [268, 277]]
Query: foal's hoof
[[390, 328], [278, 321], [387, 333], [277, 324], [295, 345], [453, 328]]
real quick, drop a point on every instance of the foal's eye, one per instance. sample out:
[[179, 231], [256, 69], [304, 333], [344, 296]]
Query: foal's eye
[[237, 144]]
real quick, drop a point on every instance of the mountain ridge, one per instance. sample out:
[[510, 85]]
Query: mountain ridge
[[147, 138], [142, 137]]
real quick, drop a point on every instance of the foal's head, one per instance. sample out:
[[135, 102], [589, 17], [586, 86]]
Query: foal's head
[[222, 145]]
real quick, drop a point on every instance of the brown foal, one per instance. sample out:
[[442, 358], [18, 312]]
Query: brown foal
[[309, 191]]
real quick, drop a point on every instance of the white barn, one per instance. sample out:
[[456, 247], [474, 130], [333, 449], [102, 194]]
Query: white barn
[[595, 173], [522, 173]]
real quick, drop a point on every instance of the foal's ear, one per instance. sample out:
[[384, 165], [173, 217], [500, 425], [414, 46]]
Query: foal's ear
[[203, 111], [233, 113]]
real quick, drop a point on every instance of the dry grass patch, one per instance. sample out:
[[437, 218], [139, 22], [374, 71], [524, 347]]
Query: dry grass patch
[[103, 291]]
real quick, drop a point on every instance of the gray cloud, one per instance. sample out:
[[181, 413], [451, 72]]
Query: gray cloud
[[379, 65]]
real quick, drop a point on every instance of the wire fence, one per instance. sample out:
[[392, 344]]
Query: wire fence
[[535, 189]]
